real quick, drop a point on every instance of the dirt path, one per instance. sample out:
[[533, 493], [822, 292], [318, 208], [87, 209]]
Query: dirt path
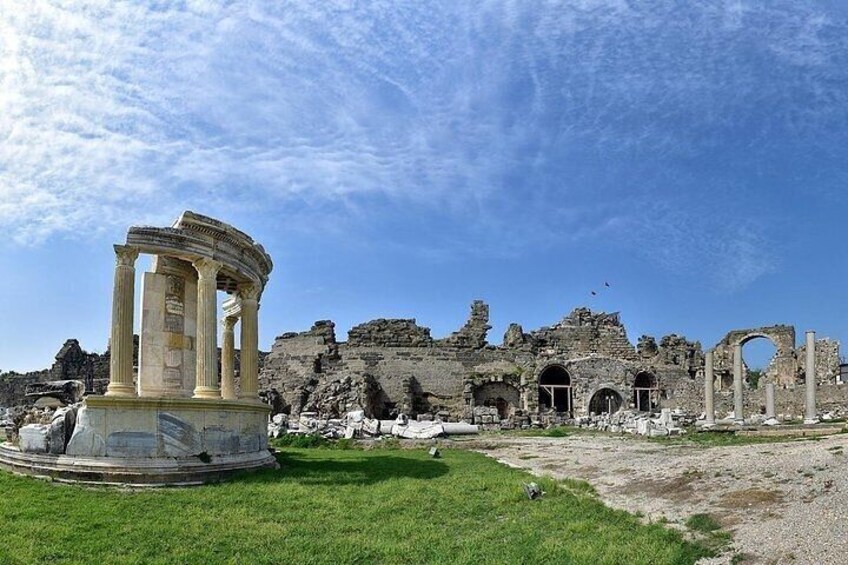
[[783, 502]]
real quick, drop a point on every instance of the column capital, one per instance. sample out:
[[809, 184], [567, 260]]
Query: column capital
[[248, 291], [229, 322], [207, 268], [125, 255]]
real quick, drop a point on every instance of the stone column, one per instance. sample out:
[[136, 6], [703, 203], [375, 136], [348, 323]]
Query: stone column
[[709, 384], [737, 384], [121, 344], [770, 400], [228, 373], [207, 329], [810, 379], [249, 294]]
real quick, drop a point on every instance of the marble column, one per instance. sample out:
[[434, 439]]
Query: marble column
[[228, 373], [709, 386], [207, 329], [810, 379], [249, 295], [121, 343], [770, 401], [737, 384]]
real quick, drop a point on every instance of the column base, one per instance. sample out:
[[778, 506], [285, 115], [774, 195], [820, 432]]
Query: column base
[[739, 422], [207, 392], [118, 389], [809, 422]]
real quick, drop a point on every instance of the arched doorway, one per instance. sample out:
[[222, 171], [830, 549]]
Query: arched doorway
[[605, 401], [506, 398], [555, 389], [645, 392]]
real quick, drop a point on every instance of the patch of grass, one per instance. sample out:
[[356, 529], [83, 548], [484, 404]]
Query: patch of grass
[[703, 523], [311, 441], [723, 438], [335, 506], [709, 531], [555, 431]]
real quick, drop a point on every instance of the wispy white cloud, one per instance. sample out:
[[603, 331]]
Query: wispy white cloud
[[517, 119]]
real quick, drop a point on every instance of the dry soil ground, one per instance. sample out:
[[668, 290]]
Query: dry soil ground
[[783, 502]]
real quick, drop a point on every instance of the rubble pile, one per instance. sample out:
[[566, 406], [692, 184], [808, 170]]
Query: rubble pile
[[489, 419], [40, 430], [666, 423], [356, 425], [340, 396]]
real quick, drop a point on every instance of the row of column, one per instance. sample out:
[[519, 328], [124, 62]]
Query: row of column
[[121, 360], [738, 408]]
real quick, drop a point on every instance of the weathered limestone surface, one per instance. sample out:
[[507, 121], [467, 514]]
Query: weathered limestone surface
[[399, 368], [168, 323], [162, 428]]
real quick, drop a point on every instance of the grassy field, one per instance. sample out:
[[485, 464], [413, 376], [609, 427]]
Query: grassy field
[[333, 506]]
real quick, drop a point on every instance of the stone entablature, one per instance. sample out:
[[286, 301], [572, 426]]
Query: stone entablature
[[194, 236]]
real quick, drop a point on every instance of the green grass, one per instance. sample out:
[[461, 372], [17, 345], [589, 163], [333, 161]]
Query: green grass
[[720, 439], [709, 530], [555, 431], [703, 523], [334, 506]]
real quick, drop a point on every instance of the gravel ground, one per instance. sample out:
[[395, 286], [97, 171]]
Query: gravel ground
[[783, 502]]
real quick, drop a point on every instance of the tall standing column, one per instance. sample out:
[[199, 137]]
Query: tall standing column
[[810, 378], [737, 384], [249, 294], [121, 344], [709, 384], [207, 329], [770, 411], [228, 376]]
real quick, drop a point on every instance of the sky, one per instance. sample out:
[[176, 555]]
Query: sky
[[401, 159]]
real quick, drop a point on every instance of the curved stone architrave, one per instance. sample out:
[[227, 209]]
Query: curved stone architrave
[[195, 237]]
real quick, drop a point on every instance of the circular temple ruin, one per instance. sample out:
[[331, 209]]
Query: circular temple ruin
[[172, 421]]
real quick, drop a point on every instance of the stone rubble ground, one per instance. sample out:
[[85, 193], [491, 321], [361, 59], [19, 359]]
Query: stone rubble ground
[[783, 502]]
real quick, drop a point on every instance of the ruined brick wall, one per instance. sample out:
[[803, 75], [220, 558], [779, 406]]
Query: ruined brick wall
[[448, 377], [827, 361], [13, 386]]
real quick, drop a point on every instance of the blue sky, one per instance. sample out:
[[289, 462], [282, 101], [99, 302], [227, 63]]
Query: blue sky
[[402, 159]]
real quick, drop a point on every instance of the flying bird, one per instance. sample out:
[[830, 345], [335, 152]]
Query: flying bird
[[606, 284]]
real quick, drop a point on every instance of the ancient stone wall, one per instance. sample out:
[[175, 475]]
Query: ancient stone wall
[[827, 361], [583, 333], [789, 401], [449, 377]]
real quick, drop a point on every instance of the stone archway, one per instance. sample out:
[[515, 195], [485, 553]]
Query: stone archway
[[555, 389], [605, 401], [498, 394], [783, 367]]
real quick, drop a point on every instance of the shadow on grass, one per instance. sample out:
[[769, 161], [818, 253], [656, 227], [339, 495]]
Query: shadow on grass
[[354, 470]]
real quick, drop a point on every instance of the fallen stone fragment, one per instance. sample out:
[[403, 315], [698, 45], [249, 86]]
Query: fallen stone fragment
[[533, 491]]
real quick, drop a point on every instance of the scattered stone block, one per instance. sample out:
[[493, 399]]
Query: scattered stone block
[[32, 438]]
